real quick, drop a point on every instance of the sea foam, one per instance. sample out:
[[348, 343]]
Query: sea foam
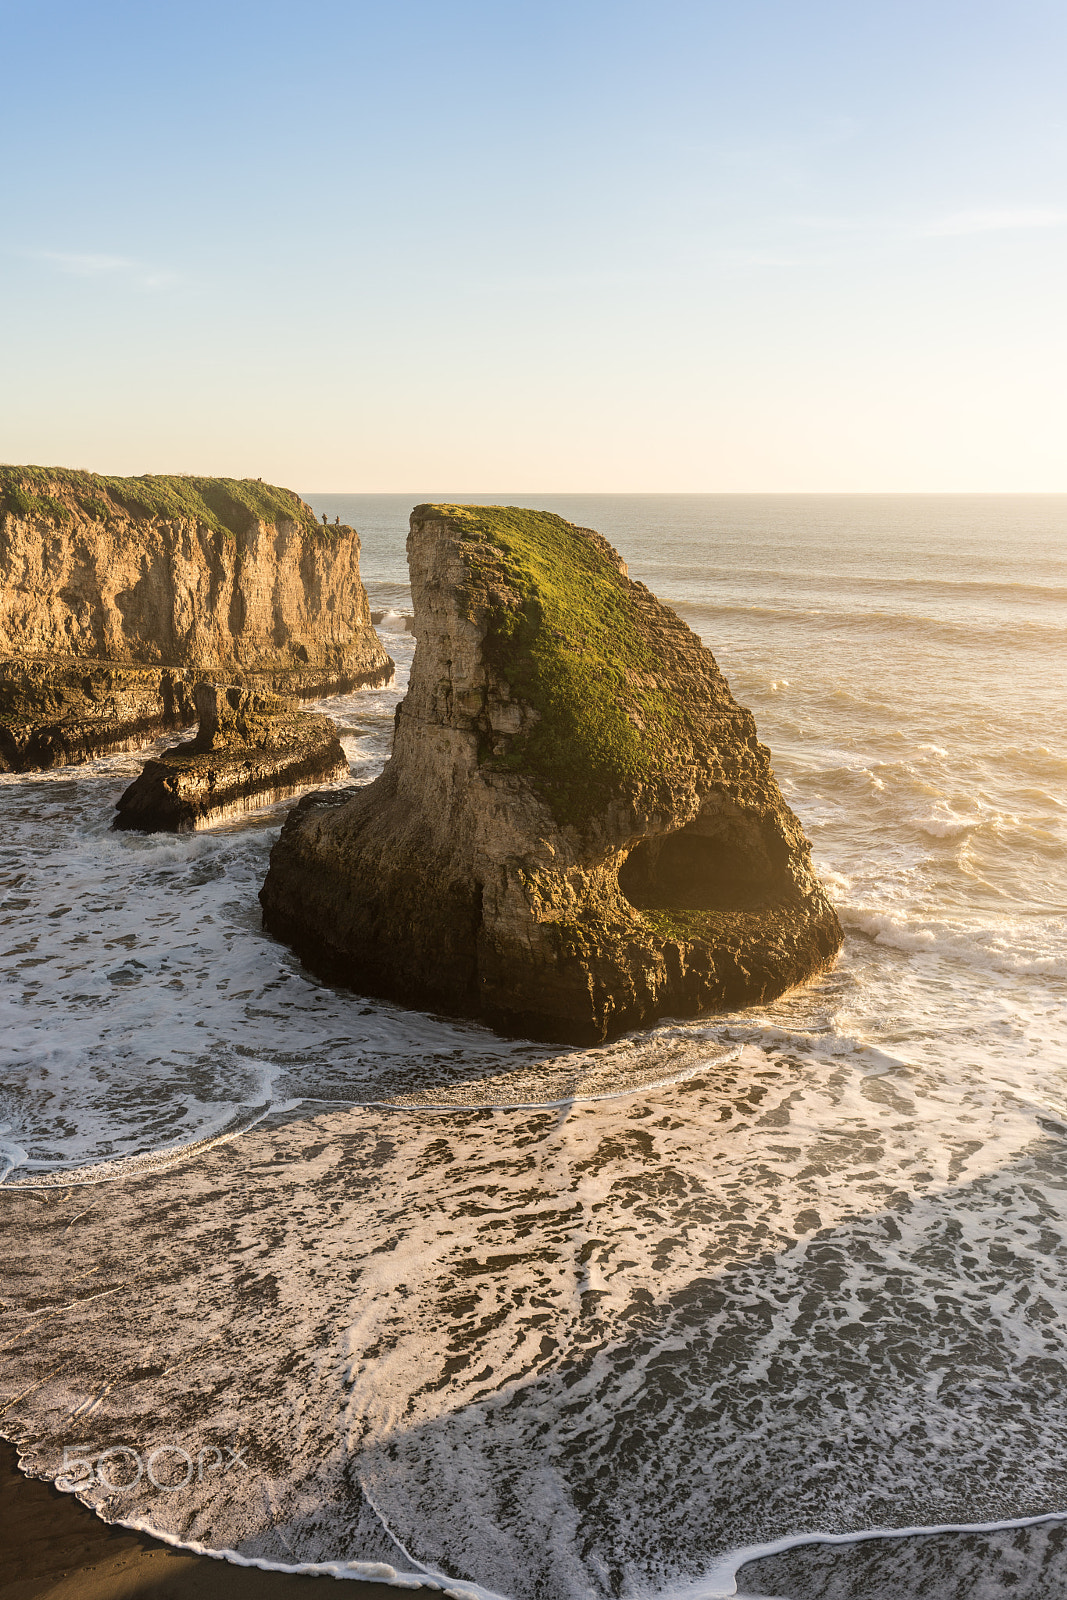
[[712, 1300]]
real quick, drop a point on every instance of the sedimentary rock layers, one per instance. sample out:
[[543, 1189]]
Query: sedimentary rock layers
[[104, 577], [250, 750], [55, 712], [578, 830]]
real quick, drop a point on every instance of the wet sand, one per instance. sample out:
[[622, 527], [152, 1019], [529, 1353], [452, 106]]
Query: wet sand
[[51, 1545]]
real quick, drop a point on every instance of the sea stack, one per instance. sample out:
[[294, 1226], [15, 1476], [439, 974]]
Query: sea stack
[[249, 751], [578, 831], [118, 594]]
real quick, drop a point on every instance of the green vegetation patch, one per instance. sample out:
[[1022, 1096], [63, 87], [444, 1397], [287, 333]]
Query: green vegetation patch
[[15, 497], [564, 632], [226, 505]]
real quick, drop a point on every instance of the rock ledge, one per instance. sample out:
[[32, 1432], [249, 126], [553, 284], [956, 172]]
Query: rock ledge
[[250, 750]]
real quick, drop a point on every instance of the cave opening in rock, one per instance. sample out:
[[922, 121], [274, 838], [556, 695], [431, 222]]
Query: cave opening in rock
[[713, 864]]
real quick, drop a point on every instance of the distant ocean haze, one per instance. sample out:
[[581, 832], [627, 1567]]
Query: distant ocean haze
[[583, 1324]]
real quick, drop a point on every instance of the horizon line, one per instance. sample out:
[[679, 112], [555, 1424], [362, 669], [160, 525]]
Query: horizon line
[[704, 493]]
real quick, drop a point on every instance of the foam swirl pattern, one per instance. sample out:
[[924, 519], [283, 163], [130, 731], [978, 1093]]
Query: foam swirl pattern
[[632, 1321]]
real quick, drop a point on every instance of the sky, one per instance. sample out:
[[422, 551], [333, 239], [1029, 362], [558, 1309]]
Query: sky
[[729, 246]]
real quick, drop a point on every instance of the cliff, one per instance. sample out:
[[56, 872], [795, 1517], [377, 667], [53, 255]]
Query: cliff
[[103, 578], [578, 830]]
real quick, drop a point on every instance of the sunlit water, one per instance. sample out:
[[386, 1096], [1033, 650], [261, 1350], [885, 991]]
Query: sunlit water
[[572, 1324]]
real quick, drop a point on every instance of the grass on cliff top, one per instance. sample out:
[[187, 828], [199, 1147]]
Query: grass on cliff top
[[563, 630], [226, 505]]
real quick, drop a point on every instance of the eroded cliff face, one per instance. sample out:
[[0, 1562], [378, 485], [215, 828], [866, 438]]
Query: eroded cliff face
[[578, 830], [192, 576], [97, 568]]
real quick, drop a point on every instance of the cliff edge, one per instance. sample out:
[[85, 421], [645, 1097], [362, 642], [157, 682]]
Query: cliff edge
[[578, 830], [118, 594]]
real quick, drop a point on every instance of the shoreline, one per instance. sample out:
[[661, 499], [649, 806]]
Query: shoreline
[[55, 1548]]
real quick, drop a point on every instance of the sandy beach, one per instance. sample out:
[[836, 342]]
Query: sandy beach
[[52, 1546]]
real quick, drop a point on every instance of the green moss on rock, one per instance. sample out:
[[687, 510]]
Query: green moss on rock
[[565, 633], [578, 831], [226, 505]]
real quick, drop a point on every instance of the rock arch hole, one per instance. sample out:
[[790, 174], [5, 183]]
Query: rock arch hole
[[717, 863]]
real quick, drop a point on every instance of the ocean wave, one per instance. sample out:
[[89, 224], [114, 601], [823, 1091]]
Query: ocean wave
[[903, 1557], [979, 632], [358, 1571], [945, 824], [992, 949], [392, 621], [974, 591]]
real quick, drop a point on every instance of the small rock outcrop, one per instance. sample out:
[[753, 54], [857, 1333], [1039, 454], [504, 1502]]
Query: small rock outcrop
[[118, 594], [250, 750], [578, 831]]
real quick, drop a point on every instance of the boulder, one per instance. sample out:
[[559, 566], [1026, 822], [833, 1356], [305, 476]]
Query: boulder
[[250, 750], [578, 830]]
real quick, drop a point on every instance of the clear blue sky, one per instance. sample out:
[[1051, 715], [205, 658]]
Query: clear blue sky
[[754, 245]]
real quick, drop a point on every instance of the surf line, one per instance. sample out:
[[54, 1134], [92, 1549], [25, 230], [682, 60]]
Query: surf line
[[145, 1161], [359, 1571], [156, 1161], [721, 1582]]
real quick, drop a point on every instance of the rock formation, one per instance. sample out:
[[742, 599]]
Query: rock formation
[[578, 831], [53, 712], [118, 594], [250, 750]]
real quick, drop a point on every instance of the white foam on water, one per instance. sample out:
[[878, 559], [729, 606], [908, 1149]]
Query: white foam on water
[[356, 1571], [721, 1582], [477, 1309], [556, 1325], [129, 1166], [944, 824]]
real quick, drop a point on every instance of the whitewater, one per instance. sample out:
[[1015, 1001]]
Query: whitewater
[[666, 1319]]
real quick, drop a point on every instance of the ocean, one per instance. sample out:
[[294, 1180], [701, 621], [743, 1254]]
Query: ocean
[[329, 1284]]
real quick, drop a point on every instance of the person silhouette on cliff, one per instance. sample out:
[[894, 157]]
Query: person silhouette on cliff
[[324, 519]]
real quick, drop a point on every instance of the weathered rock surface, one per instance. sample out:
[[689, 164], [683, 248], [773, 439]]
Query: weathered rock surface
[[53, 712], [104, 578], [250, 750], [578, 830]]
